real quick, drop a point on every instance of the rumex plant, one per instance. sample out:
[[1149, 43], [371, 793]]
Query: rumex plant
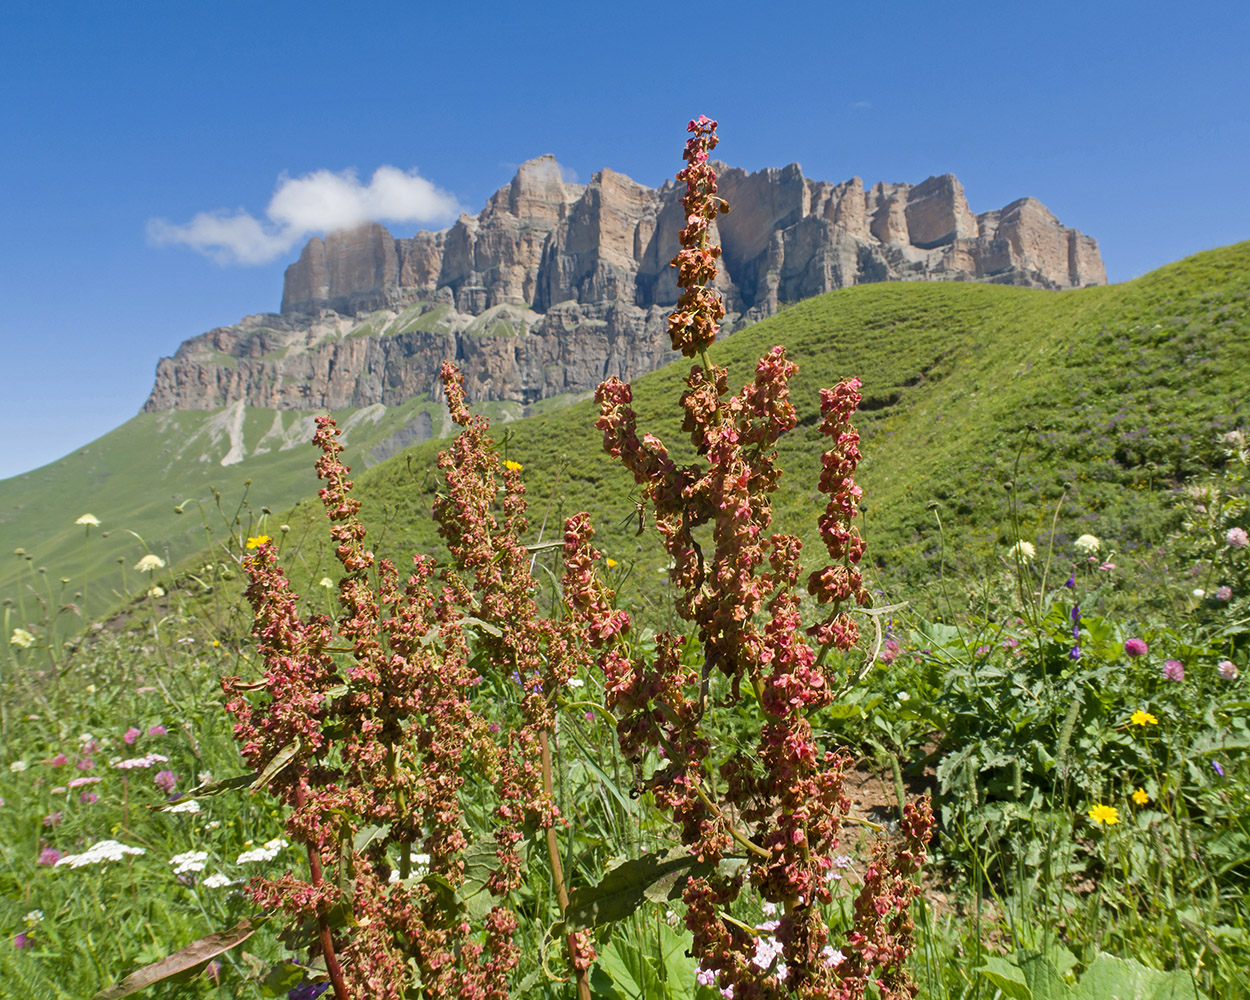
[[369, 726], [782, 804]]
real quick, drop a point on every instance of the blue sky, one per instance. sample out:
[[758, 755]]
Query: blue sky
[[1130, 121]]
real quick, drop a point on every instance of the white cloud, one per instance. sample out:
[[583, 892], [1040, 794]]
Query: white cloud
[[319, 202]]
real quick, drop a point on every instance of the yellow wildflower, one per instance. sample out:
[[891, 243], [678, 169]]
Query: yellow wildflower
[[1140, 797], [1104, 814], [611, 564], [257, 542], [21, 638], [90, 520], [1140, 718], [512, 466], [150, 563]]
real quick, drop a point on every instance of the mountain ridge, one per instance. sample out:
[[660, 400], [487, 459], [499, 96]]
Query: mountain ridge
[[554, 286]]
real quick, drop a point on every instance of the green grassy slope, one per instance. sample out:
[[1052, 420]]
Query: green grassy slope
[[132, 479], [1125, 389]]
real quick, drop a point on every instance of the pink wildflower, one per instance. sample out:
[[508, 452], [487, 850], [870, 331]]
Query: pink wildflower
[[1237, 538], [1135, 647], [86, 798], [1173, 670], [1228, 670], [131, 735], [157, 730], [60, 760], [165, 780], [890, 651], [1224, 593], [48, 856]]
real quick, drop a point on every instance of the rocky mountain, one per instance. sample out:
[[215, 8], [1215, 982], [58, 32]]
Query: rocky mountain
[[554, 286]]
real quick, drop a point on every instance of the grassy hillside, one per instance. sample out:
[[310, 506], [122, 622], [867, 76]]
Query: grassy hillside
[[134, 477], [1112, 394]]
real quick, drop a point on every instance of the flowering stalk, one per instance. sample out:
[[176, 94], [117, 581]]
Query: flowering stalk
[[742, 598]]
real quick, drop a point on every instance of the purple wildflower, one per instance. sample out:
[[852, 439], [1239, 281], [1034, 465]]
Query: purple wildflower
[[165, 780], [1218, 770], [157, 730], [1074, 653], [48, 856], [20, 940]]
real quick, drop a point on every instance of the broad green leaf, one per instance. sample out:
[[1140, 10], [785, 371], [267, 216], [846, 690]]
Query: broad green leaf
[[368, 835], [281, 979], [628, 886], [184, 960], [1006, 977], [1110, 978]]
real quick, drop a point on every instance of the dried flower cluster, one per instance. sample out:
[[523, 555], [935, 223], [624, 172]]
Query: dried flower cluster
[[367, 725], [782, 804]]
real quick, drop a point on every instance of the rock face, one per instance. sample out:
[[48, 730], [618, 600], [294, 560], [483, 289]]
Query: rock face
[[553, 286]]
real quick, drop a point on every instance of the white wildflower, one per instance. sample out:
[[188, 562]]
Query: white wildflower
[[90, 520], [191, 861], [212, 824], [266, 853], [17, 765], [576, 682], [188, 806], [33, 917], [217, 881], [105, 850], [327, 583], [156, 592], [21, 638], [1023, 550], [1087, 545], [150, 563]]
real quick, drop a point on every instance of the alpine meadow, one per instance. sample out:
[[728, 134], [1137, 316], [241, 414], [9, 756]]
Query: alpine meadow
[[889, 642]]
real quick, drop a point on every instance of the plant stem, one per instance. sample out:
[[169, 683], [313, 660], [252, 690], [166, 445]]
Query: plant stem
[[323, 927], [557, 868]]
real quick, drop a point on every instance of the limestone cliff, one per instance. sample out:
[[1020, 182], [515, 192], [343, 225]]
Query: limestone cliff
[[553, 286]]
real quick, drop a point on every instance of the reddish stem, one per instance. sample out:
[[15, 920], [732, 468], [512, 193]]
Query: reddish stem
[[323, 927]]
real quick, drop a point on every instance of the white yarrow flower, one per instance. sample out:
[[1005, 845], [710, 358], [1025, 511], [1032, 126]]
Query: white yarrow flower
[[89, 519], [217, 881], [150, 563], [191, 861], [105, 850]]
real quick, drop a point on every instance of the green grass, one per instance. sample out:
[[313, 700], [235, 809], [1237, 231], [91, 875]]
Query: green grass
[[1112, 394], [1125, 388]]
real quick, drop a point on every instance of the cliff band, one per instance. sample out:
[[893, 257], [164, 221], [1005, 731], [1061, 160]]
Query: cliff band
[[554, 286]]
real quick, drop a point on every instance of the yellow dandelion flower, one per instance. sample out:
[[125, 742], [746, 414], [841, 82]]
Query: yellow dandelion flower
[[257, 542], [1140, 718], [611, 564], [216, 643], [512, 466], [1140, 797], [1104, 814]]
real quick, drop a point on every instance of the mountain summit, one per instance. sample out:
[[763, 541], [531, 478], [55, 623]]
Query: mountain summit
[[553, 286]]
